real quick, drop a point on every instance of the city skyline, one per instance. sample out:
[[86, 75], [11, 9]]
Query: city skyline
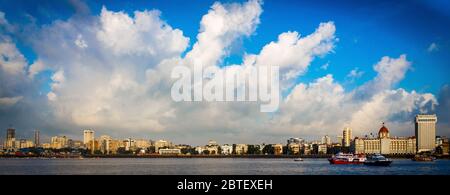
[[66, 66], [345, 138]]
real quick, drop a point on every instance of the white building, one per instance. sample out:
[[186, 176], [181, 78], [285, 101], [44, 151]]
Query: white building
[[241, 149], [425, 129], [227, 149], [326, 140], [168, 151], [162, 144], [384, 144], [88, 135]]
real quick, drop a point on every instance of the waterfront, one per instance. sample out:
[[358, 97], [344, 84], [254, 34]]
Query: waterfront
[[229, 166]]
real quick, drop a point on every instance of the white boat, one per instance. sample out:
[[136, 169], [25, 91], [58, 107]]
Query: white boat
[[298, 159]]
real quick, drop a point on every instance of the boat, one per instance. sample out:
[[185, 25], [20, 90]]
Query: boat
[[298, 159], [378, 160], [423, 158], [342, 158]]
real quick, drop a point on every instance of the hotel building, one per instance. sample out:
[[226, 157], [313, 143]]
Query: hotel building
[[384, 144], [425, 129]]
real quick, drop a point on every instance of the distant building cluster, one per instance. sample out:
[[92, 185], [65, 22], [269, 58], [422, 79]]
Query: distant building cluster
[[424, 140]]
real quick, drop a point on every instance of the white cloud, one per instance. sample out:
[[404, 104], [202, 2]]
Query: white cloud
[[433, 47], [120, 85], [9, 101], [144, 34], [294, 53], [355, 73], [11, 60], [222, 25], [80, 42]]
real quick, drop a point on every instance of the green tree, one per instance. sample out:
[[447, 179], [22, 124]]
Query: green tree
[[268, 149]]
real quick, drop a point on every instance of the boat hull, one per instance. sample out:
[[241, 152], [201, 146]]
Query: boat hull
[[343, 162]]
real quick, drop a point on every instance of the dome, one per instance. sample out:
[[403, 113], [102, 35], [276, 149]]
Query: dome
[[384, 132], [383, 129]]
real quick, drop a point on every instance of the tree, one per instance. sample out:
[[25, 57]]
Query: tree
[[253, 149], [268, 149]]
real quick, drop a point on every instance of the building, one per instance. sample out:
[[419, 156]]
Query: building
[[346, 137], [295, 140], [227, 149], [46, 145], [293, 148], [339, 140], [167, 151], [23, 143], [143, 143], [212, 147], [319, 148], [10, 138], [326, 140], [162, 144], [130, 144], [240, 149], [37, 141], [277, 149], [384, 144], [104, 143], [58, 142], [88, 136], [425, 129]]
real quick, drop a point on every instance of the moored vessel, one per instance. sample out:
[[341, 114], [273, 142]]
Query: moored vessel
[[377, 160], [342, 158]]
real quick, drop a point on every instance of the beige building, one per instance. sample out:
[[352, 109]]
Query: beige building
[[277, 149], [227, 149], [88, 136], [241, 149], [384, 144], [346, 136], [294, 148], [425, 129], [143, 143], [58, 142], [162, 144]]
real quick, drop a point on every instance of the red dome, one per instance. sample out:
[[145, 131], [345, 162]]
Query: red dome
[[383, 129]]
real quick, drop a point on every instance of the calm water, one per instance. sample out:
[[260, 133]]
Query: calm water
[[214, 166]]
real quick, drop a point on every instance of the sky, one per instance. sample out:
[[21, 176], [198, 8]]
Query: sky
[[105, 65]]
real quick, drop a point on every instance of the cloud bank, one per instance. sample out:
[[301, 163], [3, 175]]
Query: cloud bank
[[111, 72]]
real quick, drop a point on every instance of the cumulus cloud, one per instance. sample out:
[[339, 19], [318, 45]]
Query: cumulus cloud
[[222, 25], [111, 72]]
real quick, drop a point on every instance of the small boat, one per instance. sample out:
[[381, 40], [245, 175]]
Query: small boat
[[342, 158], [423, 158], [378, 160], [298, 159]]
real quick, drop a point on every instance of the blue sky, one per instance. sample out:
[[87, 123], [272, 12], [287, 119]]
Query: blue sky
[[366, 31]]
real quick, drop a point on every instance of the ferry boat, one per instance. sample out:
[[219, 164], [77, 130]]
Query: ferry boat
[[378, 160], [342, 158]]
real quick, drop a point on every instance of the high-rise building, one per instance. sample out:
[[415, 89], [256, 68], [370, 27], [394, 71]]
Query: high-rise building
[[10, 138], [88, 136], [425, 129], [326, 140], [36, 138], [346, 136], [58, 142]]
